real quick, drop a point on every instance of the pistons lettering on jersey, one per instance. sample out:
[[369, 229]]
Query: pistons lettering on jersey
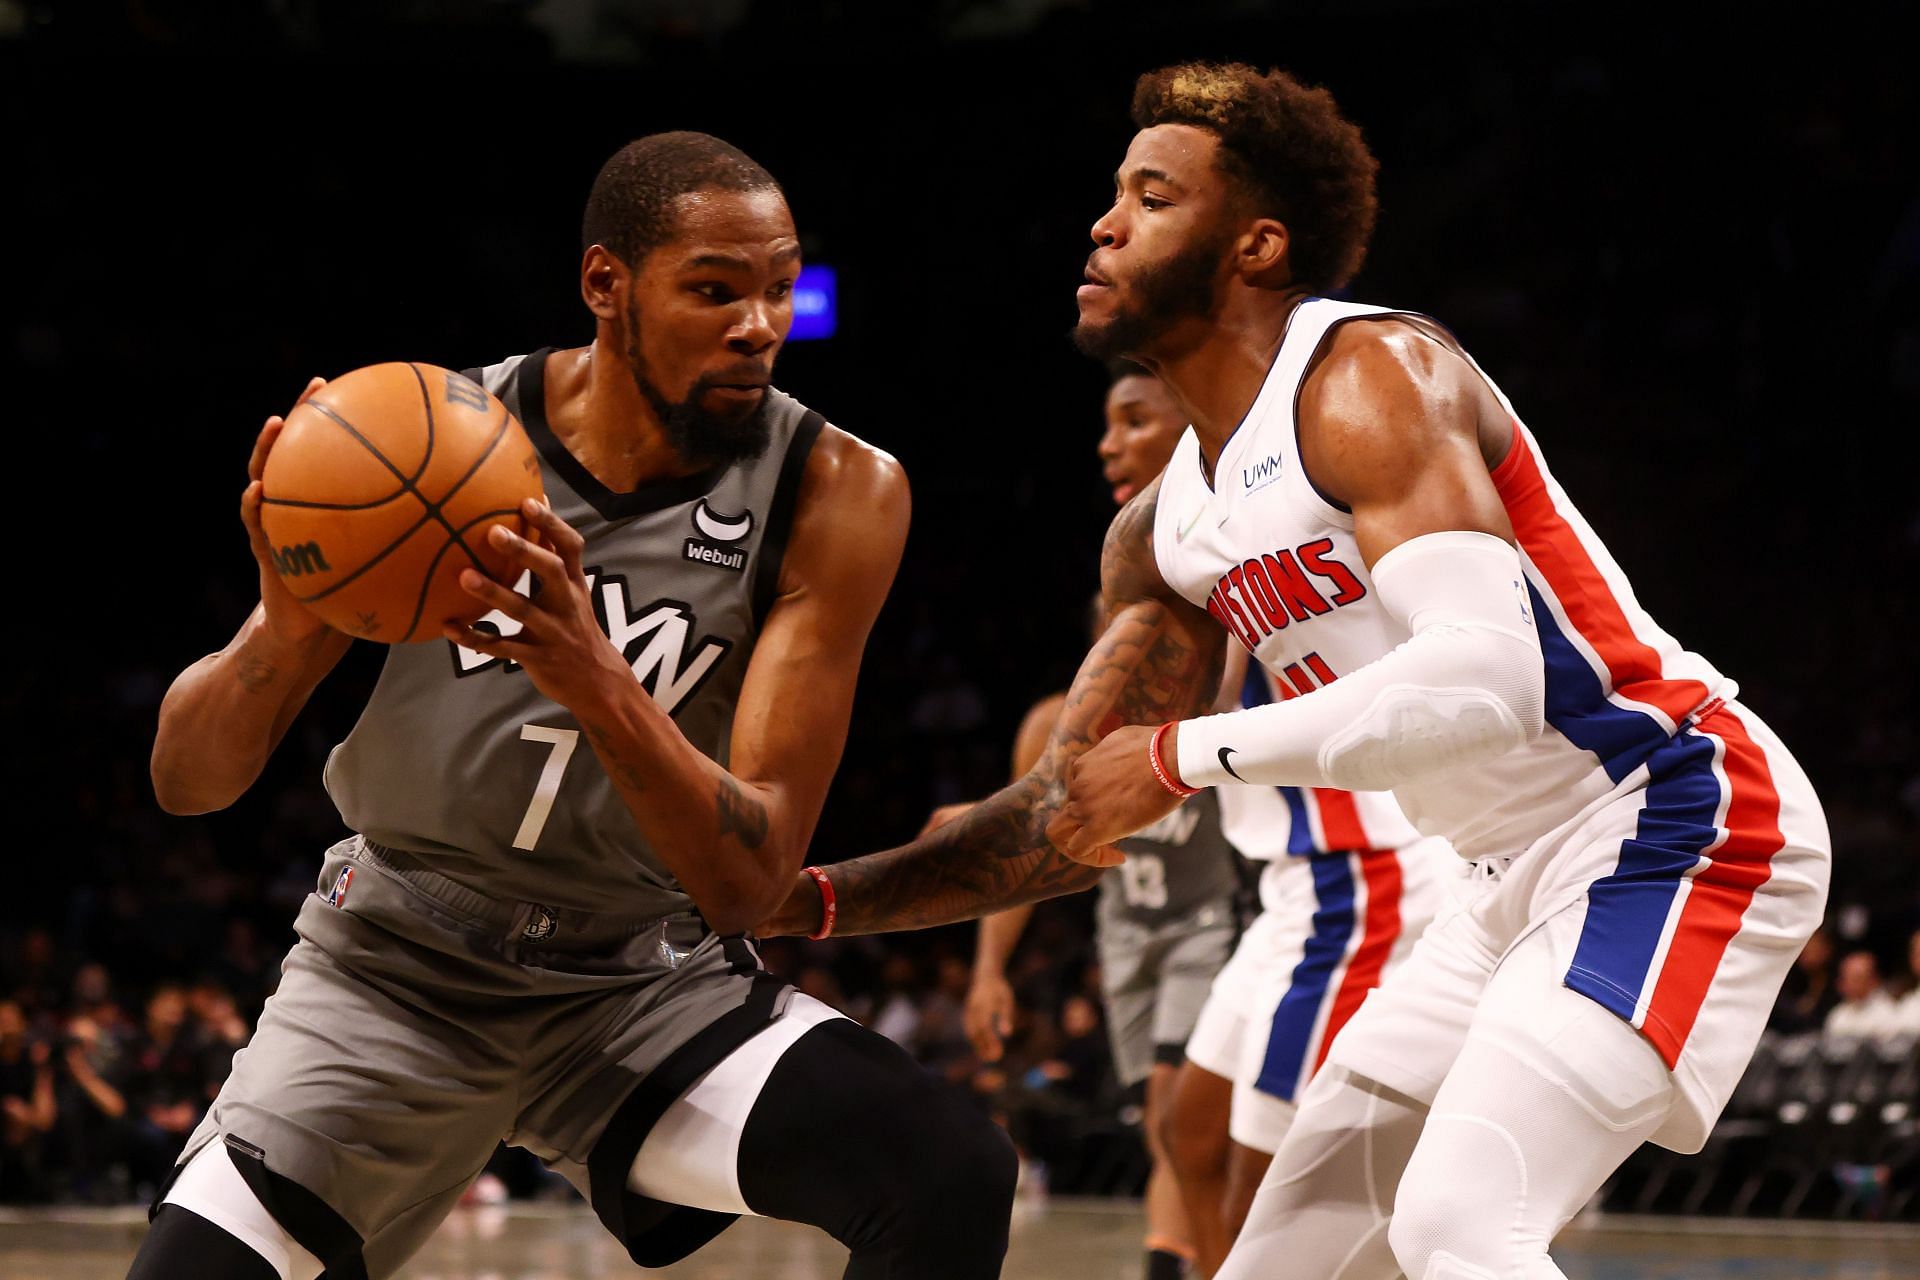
[[657, 639], [1259, 597]]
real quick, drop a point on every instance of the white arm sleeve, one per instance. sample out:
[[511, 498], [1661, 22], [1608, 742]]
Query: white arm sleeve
[[1467, 685]]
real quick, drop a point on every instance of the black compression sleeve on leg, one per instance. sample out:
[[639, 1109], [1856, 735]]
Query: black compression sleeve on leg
[[851, 1135], [182, 1245]]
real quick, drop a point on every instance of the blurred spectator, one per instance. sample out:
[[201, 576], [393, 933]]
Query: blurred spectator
[[1808, 995], [896, 1015], [941, 1043], [26, 1106], [1905, 1019], [97, 1055], [1865, 1012], [167, 1088], [244, 968], [1079, 1067], [222, 1031], [36, 985]]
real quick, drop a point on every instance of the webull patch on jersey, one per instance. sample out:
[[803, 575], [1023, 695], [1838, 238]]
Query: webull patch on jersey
[[717, 534]]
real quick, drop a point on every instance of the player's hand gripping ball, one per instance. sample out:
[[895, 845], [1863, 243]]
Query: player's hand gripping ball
[[381, 489]]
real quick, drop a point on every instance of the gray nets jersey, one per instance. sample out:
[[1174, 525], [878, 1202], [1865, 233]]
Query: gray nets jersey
[[1174, 867], [461, 761]]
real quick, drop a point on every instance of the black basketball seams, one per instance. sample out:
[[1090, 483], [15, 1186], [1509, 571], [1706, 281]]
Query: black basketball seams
[[431, 511], [378, 556], [426, 402], [453, 535], [401, 492], [333, 415], [420, 603], [499, 433]]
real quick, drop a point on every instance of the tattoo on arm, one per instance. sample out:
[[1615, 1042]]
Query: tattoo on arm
[[740, 815], [255, 675], [625, 773], [1159, 659]]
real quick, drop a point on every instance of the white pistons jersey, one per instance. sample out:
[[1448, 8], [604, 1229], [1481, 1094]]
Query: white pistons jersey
[[1276, 563]]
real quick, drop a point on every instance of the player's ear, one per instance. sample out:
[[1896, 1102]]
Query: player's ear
[[1261, 255], [603, 278]]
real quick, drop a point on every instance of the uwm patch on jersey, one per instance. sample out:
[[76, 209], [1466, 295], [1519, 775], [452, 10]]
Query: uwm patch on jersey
[[656, 638]]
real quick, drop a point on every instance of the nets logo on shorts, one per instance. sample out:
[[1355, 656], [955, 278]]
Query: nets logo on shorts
[[337, 896], [540, 927]]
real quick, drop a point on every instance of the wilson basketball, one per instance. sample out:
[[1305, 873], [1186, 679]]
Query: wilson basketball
[[381, 489]]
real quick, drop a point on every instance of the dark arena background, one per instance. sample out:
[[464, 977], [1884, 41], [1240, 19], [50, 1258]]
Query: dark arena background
[[1688, 249]]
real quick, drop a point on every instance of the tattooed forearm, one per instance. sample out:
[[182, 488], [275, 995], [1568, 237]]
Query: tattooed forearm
[[625, 773], [1159, 659], [740, 815]]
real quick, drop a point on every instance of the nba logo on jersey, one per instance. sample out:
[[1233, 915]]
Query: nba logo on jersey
[[337, 896]]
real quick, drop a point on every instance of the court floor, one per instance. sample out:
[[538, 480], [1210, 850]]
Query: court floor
[[1082, 1240]]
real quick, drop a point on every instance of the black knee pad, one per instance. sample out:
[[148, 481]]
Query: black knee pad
[[853, 1136], [182, 1245]]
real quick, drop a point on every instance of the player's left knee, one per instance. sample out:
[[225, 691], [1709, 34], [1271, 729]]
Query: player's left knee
[[852, 1136], [1451, 1225], [963, 1190]]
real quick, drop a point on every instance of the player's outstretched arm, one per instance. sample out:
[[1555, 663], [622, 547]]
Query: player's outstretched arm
[[732, 836], [1158, 659], [224, 715], [1399, 426]]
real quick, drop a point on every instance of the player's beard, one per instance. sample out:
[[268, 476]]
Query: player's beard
[[1160, 297], [700, 437]]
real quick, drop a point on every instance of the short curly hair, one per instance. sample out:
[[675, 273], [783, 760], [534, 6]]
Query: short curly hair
[[630, 210], [1286, 143]]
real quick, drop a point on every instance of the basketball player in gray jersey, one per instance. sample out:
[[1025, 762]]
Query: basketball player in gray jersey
[[568, 813], [1165, 922]]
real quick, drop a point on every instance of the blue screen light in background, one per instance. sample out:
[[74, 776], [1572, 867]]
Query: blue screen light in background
[[813, 304]]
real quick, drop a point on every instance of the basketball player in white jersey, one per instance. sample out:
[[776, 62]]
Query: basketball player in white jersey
[[1346, 886], [1357, 501]]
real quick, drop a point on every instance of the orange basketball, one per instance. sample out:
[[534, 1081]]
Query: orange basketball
[[381, 489]]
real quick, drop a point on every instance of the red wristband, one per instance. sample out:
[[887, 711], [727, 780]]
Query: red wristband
[[829, 909], [1168, 778]]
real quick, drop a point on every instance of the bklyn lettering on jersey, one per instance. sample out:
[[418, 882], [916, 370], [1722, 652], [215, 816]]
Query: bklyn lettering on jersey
[[656, 639]]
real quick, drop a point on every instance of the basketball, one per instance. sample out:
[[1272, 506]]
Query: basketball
[[381, 489]]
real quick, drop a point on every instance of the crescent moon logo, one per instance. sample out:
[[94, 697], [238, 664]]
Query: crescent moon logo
[[712, 524]]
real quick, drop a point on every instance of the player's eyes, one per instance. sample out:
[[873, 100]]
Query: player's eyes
[[714, 292], [781, 290], [1153, 202]]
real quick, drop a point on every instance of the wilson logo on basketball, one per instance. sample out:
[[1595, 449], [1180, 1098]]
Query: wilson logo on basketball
[[306, 558]]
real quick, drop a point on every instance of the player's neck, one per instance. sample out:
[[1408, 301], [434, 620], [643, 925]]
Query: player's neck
[[1218, 375], [596, 411]]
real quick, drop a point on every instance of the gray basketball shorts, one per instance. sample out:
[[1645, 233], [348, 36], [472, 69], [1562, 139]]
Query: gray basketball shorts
[[418, 1023], [1155, 980]]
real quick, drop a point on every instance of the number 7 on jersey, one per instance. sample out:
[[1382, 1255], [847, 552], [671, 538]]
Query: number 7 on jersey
[[564, 741]]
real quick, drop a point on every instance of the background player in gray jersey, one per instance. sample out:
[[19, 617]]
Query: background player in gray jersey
[[542, 945], [1165, 923]]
